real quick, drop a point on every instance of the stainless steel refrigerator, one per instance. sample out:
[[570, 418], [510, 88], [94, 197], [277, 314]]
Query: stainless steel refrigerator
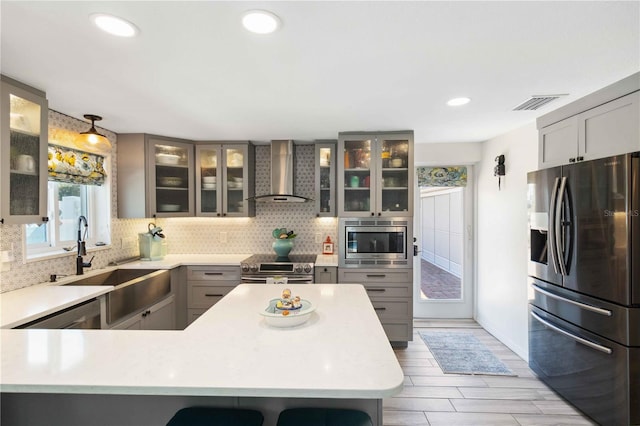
[[584, 277]]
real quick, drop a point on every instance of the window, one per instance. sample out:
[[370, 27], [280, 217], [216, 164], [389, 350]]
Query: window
[[65, 203]]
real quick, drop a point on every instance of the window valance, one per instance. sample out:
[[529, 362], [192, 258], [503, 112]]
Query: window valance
[[442, 176], [73, 166]]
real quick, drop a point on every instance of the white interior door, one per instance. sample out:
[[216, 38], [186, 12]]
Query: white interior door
[[443, 269]]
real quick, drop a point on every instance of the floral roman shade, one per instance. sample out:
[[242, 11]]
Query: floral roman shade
[[73, 166], [442, 176]]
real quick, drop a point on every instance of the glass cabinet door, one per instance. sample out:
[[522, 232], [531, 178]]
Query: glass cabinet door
[[24, 154], [394, 175], [325, 179], [208, 180], [234, 181], [357, 193], [171, 178]]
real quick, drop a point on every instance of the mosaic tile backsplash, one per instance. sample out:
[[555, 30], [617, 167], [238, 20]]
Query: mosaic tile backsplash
[[184, 235]]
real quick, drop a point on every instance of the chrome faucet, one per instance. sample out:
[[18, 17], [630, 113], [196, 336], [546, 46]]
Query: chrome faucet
[[82, 249]]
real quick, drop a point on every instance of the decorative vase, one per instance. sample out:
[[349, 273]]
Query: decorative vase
[[282, 247]]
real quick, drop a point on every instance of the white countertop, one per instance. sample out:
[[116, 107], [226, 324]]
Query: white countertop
[[327, 260], [174, 260], [27, 304], [341, 352]]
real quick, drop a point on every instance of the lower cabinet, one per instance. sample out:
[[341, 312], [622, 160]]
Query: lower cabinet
[[206, 285], [391, 294], [161, 316], [326, 275]]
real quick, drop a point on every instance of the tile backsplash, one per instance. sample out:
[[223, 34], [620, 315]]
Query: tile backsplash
[[184, 235]]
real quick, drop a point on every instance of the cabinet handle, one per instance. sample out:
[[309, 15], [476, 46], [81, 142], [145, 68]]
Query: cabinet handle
[[218, 214], [377, 289], [45, 219], [380, 309], [379, 214], [2, 220], [376, 275], [214, 273], [224, 214], [373, 214], [213, 295], [579, 158], [572, 160]]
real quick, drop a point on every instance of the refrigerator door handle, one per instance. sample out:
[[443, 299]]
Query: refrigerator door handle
[[552, 231], [557, 225], [581, 305], [585, 342]]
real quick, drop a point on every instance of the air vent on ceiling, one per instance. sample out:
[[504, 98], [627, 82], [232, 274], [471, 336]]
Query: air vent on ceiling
[[536, 101]]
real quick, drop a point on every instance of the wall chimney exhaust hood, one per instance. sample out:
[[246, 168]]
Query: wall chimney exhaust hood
[[282, 175]]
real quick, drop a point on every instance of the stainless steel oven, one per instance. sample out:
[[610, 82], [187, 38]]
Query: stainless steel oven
[[375, 242], [268, 268]]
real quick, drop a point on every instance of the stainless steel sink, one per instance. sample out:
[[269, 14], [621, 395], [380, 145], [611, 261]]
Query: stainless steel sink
[[135, 290], [115, 278]]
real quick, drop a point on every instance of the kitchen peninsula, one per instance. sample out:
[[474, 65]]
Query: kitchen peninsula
[[228, 357]]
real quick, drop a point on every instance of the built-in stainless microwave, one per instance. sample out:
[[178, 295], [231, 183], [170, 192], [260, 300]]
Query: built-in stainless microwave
[[379, 242]]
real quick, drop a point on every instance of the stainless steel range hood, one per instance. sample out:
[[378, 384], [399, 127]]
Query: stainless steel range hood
[[282, 170]]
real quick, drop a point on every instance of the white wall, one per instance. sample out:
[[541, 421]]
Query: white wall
[[501, 230], [447, 154]]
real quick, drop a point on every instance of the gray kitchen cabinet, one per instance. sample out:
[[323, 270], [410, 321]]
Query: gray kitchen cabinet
[[326, 275], [206, 285], [391, 294], [160, 316], [376, 174], [23, 153], [225, 179], [602, 124], [155, 176], [325, 178]]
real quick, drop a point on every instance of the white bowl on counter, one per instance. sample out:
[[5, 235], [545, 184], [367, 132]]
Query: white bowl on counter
[[275, 318]]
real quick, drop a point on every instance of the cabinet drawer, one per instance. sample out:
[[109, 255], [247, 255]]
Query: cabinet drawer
[[383, 291], [376, 276], [217, 273], [392, 309], [205, 296], [398, 331]]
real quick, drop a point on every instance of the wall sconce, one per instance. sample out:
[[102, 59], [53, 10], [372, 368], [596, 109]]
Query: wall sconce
[[499, 169], [91, 140]]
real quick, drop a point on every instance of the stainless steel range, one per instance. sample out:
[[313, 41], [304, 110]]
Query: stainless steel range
[[264, 268]]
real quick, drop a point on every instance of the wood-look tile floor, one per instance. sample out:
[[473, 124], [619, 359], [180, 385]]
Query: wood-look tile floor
[[431, 397]]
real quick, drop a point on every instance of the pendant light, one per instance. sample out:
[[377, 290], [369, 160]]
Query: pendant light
[[91, 140]]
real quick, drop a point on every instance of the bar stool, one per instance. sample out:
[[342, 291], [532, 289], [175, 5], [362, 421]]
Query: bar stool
[[323, 417], [214, 416]]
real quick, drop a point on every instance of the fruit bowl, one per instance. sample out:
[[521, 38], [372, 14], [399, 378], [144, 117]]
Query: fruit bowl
[[283, 318]]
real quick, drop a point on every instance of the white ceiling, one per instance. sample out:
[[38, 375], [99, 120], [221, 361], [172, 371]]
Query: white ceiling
[[194, 73]]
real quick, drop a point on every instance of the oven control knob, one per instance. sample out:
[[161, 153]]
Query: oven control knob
[[307, 268], [254, 268], [245, 267], [298, 268]]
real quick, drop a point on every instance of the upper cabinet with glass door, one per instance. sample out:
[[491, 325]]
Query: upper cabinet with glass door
[[23, 153], [325, 176], [376, 177], [224, 179], [170, 177]]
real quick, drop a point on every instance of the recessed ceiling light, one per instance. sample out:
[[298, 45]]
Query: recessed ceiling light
[[458, 101], [260, 21], [114, 25]]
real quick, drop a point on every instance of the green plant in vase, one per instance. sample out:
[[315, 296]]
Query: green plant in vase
[[284, 241]]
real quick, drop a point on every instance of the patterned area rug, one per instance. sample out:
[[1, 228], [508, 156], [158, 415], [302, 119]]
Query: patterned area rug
[[463, 353]]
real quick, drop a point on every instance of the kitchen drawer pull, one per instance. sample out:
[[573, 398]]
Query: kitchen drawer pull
[[214, 273], [600, 311], [572, 336], [376, 275], [377, 289], [380, 308], [213, 295]]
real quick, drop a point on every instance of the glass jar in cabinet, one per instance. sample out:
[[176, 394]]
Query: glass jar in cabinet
[[325, 177], [23, 153]]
